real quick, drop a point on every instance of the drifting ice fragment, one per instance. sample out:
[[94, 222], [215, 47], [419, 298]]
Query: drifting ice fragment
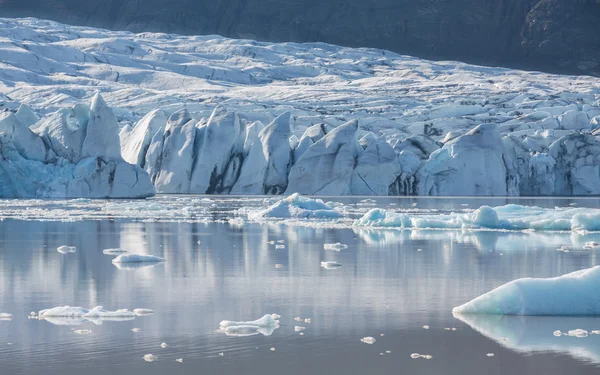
[[490, 354], [113, 251], [299, 328], [135, 330], [335, 246], [368, 340], [66, 249], [299, 207], [164, 345], [180, 360], [330, 265], [82, 331], [5, 316], [143, 312], [150, 358], [137, 258], [265, 326]]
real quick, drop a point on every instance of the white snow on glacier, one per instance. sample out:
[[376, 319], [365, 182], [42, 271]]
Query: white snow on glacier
[[573, 294], [341, 121]]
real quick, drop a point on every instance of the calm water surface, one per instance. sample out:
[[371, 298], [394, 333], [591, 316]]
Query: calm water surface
[[391, 284]]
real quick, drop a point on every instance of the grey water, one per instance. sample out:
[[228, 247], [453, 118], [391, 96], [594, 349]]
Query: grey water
[[390, 285]]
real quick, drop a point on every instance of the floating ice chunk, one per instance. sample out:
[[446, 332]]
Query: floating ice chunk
[[388, 352], [276, 316], [6, 316], [279, 265], [591, 245], [265, 326], [280, 246], [164, 345], [417, 355], [143, 312], [368, 340], [136, 330], [335, 246], [150, 358], [134, 266], [113, 251], [298, 319], [66, 249], [297, 206], [68, 315], [137, 258], [221, 354], [308, 320], [330, 265], [180, 360], [272, 349], [299, 328], [557, 333], [301, 333], [490, 354], [280, 241], [82, 331], [578, 333], [425, 327], [571, 294]]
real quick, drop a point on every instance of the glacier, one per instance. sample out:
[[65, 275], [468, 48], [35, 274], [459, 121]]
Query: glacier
[[573, 294], [187, 115]]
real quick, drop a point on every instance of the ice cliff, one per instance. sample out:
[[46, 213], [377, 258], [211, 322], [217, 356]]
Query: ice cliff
[[74, 152]]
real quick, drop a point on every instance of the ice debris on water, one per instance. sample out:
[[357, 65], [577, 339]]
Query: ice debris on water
[[280, 246], [68, 315], [297, 206], [330, 265], [265, 326], [335, 246], [308, 320], [299, 328], [580, 333], [490, 354], [136, 330], [137, 258], [298, 319], [82, 331], [6, 316], [164, 345], [417, 355], [279, 265], [150, 358], [143, 312], [425, 327], [180, 360], [116, 251], [272, 349], [66, 249], [368, 340], [573, 294]]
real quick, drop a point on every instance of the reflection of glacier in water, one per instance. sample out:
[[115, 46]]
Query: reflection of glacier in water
[[528, 334]]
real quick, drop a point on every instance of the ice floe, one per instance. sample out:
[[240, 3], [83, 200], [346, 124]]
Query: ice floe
[[143, 312], [573, 294], [116, 251], [66, 249], [265, 326], [297, 206], [329, 265], [137, 258], [6, 316], [150, 358], [335, 246], [368, 340], [69, 315]]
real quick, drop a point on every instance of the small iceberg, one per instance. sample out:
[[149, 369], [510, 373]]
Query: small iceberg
[[137, 258], [68, 315], [265, 326], [330, 265], [66, 249], [297, 207], [368, 340], [573, 294], [510, 217], [114, 251], [143, 312], [6, 316], [150, 358], [335, 246]]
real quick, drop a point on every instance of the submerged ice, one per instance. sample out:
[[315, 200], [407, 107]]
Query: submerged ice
[[573, 294]]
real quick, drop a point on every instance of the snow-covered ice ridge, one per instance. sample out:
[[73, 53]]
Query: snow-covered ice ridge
[[339, 121]]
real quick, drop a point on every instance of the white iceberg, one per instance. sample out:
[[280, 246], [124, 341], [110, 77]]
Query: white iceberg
[[335, 246], [66, 249], [116, 251], [137, 258], [143, 312], [329, 265], [69, 315], [298, 207], [6, 316], [573, 294], [265, 326]]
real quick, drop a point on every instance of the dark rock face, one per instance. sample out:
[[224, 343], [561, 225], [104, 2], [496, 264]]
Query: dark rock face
[[552, 35]]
